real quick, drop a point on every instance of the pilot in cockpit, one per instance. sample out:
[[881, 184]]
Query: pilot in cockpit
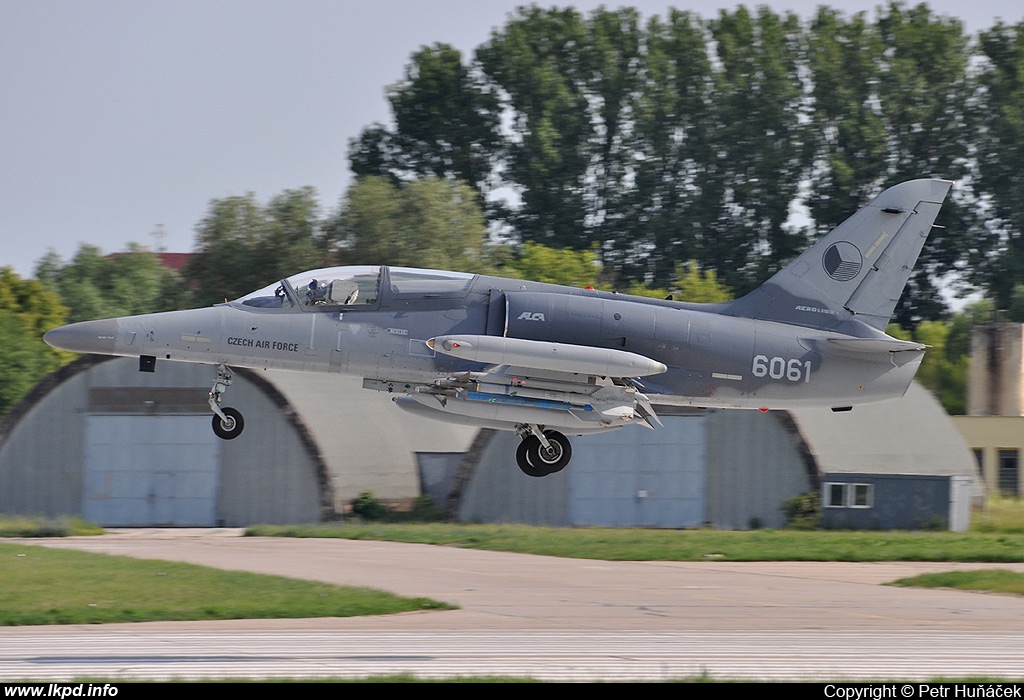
[[316, 293]]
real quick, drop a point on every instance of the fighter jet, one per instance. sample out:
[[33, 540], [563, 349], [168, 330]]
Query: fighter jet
[[545, 360]]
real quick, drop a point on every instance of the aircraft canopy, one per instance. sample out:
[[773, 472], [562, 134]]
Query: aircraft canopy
[[356, 285]]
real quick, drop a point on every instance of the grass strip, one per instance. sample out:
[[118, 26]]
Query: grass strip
[[635, 544], [40, 526], [986, 580], [42, 586]]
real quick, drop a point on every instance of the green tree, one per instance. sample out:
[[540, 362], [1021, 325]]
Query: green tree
[[446, 125], [844, 60], [935, 367], [582, 268], [925, 90], [536, 63], [998, 122], [689, 139], [890, 101], [539, 263], [430, 222], [93, 285], [1015, 309], [226, 260], [946, 362], [672, 205], [699, 286], [24, 360], [762, 145], [35, 304], [242, 245], [28, 308], [691, 285]]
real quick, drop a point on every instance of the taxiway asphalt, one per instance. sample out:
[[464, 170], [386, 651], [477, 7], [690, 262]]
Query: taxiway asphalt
[[544, 617]]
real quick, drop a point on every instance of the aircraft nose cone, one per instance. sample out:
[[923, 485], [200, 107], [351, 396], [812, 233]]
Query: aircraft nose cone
[[87, 336]]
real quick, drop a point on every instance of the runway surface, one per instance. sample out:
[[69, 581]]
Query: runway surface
[[544, 617]]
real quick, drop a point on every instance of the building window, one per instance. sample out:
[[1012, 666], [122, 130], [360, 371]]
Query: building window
[[839, 495], [863, 495], [835, 495], [1009, 472], [979, 457]]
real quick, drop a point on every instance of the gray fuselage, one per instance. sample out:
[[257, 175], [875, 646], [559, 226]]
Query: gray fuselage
[[713, 359]]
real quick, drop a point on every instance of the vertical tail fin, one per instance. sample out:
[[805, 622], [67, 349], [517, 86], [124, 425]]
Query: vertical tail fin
[[858, 270]]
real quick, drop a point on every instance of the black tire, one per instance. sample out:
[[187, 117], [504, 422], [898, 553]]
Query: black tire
[[557, 459], [523, 457], [231, 428]]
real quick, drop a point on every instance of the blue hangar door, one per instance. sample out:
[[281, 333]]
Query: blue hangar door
[[150, 471]]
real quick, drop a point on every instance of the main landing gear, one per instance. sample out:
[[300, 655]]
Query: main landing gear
[[542, 452], [227, 422]]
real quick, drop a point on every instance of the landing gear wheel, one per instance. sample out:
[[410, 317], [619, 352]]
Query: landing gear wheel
[[232, 427], [536, 460], [523, 457], [553, 458]]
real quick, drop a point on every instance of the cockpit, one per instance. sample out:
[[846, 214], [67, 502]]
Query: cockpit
[[357, 286]]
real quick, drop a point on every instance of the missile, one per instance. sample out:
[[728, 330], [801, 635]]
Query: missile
[[504, 416], [537, 354]]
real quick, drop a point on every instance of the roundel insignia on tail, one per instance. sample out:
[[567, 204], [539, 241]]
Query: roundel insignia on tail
[[842, 261]]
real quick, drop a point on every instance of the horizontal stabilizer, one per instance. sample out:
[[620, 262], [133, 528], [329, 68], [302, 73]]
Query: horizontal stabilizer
[[537, 354], [865, 345]]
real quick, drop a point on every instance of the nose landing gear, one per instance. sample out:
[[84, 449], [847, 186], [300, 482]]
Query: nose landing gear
[[227, 422]]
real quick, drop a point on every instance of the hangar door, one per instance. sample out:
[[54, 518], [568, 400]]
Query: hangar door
[[150, 470], [635, 477]]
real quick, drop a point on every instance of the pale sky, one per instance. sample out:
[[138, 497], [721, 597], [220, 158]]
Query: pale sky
[[119, 116]]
